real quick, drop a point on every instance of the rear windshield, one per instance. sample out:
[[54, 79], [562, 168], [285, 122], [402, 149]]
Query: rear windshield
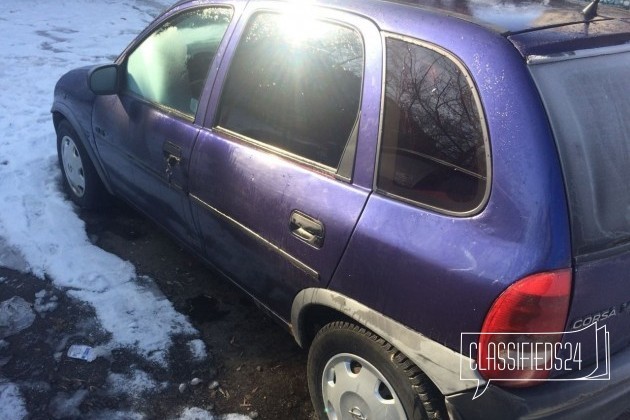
[[588, 102]]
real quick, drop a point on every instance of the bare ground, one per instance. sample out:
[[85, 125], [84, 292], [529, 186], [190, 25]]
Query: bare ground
[[259, 369]]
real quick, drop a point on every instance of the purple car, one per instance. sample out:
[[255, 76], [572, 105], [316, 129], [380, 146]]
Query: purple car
[[433, 197]]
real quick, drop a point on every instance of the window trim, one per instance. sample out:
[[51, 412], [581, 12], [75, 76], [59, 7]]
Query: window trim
[[275, 150], [484, 128], [354, 134], [123, 59]]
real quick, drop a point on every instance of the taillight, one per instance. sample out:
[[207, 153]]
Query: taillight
[[535, 304]]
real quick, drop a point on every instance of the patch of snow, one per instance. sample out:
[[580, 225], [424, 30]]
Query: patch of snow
[[11, 402], [195, 413], [40, 231], [235, 417], [135, 383], [198, 350], [15, 315], [137, 317], [37, 223], [45, 302]]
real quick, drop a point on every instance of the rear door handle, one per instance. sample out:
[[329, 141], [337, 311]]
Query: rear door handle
[[307, 229]]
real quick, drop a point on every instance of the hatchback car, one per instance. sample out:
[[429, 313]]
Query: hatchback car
[[431, 196]]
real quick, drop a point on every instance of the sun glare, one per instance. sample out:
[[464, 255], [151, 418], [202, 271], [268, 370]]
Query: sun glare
[[299, 23]]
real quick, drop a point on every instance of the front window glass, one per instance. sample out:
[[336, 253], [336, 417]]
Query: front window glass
[[295, 85], [432, 146], [170, 66]]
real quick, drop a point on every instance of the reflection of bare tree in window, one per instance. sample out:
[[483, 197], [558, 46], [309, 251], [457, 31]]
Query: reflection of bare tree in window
[[438, 112], [432, 143]]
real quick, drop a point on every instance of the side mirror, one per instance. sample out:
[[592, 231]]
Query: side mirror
[[103, 80]]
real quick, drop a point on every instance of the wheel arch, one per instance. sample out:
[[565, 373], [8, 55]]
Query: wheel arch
[[59, 114], [314, 307]]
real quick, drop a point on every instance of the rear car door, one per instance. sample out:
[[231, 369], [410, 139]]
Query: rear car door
[[145, 134], [276, 189]]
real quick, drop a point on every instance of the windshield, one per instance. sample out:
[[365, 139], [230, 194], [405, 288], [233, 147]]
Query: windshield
[[588, 103]]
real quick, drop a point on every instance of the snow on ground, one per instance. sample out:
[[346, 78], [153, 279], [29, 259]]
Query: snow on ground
[[137, 382], [39, 230], [11, 404], [196, 413], [42, 40]]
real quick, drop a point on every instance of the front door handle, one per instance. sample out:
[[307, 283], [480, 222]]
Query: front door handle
[[307, 229], [172, 156], [172, 153]]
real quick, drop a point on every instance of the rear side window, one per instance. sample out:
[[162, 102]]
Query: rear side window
[[433, 150], [295, 85]]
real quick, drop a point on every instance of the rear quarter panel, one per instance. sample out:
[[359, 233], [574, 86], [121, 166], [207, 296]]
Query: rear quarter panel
[[440, 274]]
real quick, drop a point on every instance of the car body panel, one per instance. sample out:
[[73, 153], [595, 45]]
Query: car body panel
[[147, 148], [73, 101], [516, 15], [512, 16], [578, 399], [516, 234], [267, 188], [586, 94], [601, 284], [392, 265], [265, 191], [135, 147]]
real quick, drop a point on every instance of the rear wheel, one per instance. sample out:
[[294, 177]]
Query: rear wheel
[[80, 179], [354, 374]]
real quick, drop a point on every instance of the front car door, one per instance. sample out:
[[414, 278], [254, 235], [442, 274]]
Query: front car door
[[276, 189], [145, 134]]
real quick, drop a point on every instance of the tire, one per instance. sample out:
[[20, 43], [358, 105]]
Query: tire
[[80, 180], [354, 374]]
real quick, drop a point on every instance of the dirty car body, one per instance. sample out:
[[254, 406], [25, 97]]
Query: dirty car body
[[383, 172]]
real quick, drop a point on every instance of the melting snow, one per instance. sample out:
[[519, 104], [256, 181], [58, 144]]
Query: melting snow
[[39, 229], [38, 226], [11, 403]]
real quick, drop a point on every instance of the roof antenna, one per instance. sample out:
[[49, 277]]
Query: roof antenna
[[590, 11]]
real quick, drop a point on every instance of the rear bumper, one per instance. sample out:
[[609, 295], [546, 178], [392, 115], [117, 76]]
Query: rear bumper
[[585, 399]]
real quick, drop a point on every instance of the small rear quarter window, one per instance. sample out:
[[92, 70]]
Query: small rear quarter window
[[433, 150]]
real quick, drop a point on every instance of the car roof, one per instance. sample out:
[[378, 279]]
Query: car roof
[[543, 27], [516, 16]]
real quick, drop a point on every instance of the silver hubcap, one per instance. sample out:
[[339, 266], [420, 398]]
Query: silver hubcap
[[72, 166], [354, 389]]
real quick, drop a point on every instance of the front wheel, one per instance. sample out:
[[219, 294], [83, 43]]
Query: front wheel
[[354, 374], [80, 179]]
